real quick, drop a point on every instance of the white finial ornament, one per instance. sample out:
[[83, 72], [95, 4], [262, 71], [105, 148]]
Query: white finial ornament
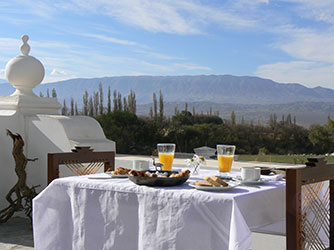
[[24, 72], [25, 48]]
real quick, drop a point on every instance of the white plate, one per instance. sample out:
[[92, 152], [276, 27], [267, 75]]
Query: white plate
[[117, 175], [260, 181], [93, 176], [205, 188], [107, 175]]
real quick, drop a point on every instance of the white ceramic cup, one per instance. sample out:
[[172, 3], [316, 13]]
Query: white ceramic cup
[[141, 165], [250, 174]]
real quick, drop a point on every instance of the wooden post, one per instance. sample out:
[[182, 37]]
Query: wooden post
[[293, 210], [331, 214]]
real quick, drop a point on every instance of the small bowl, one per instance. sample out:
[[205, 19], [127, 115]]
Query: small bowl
[[265, 170]]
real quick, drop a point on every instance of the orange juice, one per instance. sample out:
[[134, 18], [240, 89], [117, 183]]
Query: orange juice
[[225, 163], [167, 160]]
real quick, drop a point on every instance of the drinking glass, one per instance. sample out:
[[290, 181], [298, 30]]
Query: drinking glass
[[166, 155], [225, 155]]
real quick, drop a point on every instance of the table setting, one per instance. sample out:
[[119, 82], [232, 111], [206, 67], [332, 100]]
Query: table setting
[[211, 209]]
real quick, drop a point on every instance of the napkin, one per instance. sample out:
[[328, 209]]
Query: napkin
[[276, 177]]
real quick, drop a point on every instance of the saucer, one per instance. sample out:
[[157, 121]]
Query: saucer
[[260, 181]]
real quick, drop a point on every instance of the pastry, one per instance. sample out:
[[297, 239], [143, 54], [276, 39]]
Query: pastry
[[220, 181], [202, 183], [120, 171], [208, 179]]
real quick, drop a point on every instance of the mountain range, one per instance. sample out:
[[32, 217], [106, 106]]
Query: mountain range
[[201, 88], [253, 97]]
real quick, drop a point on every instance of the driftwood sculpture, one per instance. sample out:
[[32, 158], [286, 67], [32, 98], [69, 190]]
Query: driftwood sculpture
[[20, 189]]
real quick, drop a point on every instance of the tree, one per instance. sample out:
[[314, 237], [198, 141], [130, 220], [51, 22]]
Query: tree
[[85, 103], [123, 127], [101, 99], [76, 112], [233, 117], [109, 100], [186, 107], [64, 109], [90, 106], [54, 93], [242, 120], [288, 119], [96, 103], [321, 139], [119, 101], [125, 104], [161, 106], [155, 106], [115, 101], [275, 119], [206, 119], [72, 106], [151, 112], [132, 105], [183, 118], [271, 120], [176, 110]]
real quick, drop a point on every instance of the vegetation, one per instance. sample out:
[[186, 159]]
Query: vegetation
[[293, 159], [139, 135]]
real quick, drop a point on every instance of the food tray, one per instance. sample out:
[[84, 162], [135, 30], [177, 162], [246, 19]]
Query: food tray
[[159, 181]]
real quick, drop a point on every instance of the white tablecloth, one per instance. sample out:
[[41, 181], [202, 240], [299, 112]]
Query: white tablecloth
[[86, 214]]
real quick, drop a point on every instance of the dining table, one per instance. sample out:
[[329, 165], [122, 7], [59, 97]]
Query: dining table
[[87, 213]]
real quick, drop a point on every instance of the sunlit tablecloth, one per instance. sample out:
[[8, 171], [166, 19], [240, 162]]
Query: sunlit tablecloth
[[86, 214]]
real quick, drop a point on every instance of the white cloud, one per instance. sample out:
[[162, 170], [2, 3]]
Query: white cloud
[[311, 53], [9, 44], [2, 73], [312, 74], [308, 44], [190, 66], [159, 55], [174, 16], [109, 39], [56, 72], [318, 10], [57, 78]]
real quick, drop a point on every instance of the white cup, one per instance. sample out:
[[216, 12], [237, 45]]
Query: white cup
[[141, 165], [250, 174]]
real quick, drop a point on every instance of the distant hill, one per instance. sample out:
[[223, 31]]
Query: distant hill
[[252, 97], [202, 88]]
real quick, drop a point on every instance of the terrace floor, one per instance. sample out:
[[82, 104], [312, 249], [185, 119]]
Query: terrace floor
[[16, 234]]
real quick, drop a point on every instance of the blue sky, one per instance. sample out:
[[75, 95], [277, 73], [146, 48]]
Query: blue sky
[[287, 41]]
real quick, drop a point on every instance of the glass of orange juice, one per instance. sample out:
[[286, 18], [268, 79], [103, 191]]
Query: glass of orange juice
[[166, 155], [225, 155]]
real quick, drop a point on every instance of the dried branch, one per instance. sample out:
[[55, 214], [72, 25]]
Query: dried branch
[[20, 189]]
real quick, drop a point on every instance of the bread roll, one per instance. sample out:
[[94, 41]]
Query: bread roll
[[208, 179]]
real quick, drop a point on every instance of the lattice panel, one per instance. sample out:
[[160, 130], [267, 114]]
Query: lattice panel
[[80, 169], [315, 216]]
